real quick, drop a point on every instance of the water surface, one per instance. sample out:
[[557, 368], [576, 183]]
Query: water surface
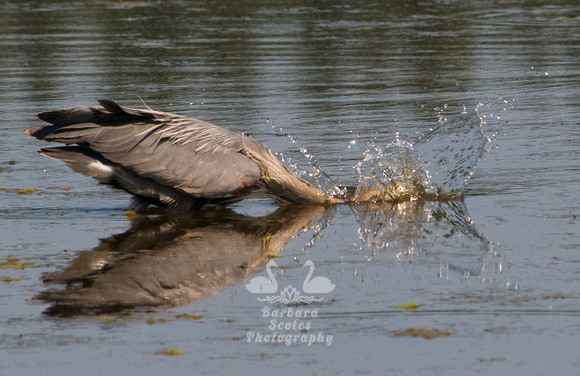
[[497, 270]]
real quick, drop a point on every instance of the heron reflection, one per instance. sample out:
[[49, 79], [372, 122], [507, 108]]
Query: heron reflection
[[174, 261]]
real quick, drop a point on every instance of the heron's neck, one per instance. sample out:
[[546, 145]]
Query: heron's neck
[[280, 182]]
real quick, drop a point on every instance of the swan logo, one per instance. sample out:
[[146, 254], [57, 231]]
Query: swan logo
[[291, 325], [290, 295]]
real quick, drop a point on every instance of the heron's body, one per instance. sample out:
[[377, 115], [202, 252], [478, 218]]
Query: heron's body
[[167, 159]]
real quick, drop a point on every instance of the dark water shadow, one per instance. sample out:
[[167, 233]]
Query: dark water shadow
[[173, 261]]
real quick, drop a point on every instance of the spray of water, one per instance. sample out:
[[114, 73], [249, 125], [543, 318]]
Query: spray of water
[[315, 176], [392, 173], [436, 165]]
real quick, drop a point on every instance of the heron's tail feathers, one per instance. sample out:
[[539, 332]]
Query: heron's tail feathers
[[77, 125]]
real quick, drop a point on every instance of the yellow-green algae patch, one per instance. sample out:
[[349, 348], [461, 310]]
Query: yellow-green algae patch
[[422, 332], [170, 352], [408, 306]]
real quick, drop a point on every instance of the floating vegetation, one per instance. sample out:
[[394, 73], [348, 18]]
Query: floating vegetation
[[106, 319], [170, 352], [10, 280], [492, 360], [15, 263], [408, 306], [504, 300], [20, 191], [153, 321], [5, 169], [268, 355], [131, 214], [555, 297], [26, 191], [188, 316], [66, 189], [422, 332]]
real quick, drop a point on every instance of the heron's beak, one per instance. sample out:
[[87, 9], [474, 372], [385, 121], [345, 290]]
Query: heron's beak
[[334, 200]]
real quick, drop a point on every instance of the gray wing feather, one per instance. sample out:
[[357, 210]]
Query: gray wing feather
[[196, 157]]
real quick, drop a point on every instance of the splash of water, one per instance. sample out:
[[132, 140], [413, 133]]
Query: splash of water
[[436, 165], [451, 151], [316, 176], [392, 173]]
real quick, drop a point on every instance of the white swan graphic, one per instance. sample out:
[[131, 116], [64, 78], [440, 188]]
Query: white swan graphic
[[318, 285], [263, 285]]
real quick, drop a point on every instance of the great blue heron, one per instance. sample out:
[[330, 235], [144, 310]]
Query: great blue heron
[[167, 159]]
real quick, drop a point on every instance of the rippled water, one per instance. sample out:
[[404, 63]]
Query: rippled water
[[327, 84]]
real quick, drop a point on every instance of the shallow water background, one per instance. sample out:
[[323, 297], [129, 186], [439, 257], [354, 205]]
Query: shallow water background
[[498, 272]]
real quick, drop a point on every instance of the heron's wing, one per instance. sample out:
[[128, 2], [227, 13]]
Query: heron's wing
[[200, 159], [194, 156]]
